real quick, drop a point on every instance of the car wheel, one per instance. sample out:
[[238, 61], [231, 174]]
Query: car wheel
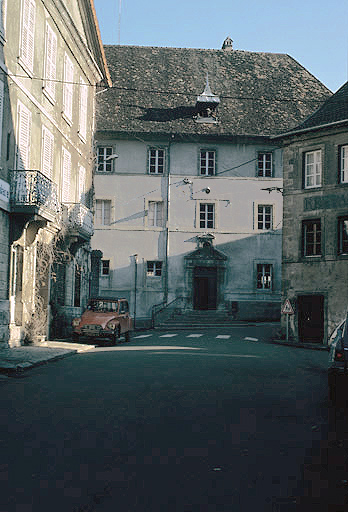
[[127, 336], [116, 336]]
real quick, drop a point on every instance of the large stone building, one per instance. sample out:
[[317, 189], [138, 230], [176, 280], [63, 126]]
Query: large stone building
[[187, 209], [315, 225], [52, 61]]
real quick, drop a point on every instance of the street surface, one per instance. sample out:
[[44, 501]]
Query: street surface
[[183, 421]]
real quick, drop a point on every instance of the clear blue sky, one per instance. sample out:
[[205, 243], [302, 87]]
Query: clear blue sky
[[314, 32]]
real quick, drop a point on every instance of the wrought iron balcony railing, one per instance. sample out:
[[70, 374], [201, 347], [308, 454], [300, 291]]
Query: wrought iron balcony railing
[[33, 192], [80, 218]]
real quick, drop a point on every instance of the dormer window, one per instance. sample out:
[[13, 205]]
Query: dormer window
[[206, 104]]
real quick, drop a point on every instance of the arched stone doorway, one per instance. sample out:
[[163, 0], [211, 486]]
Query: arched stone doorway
[[204, 277]]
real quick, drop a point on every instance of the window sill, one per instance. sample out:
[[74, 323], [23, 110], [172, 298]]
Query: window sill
[[314, 187], [25, 67], [316, 258]]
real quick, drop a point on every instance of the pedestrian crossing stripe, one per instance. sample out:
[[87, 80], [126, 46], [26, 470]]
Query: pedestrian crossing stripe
[[194, 335], [251, 339], [168, 335], [223, 336], [143, 336]]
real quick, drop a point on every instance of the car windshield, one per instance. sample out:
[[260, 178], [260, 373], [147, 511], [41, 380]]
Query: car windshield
[[104, 306]]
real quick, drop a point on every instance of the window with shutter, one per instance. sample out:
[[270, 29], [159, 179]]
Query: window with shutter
[[50, 62], [1, 111], [155, 214], [23, 137], [27, 33], [47, 152], [68, 87], [83, 109], [66, 170], [82, 185], [2, 16]]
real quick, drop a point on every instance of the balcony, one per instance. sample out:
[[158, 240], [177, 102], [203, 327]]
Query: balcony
[[32, 193], [80, 220]]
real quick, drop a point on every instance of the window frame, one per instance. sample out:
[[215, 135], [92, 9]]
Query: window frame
[[342, 241], [24, 120], [157, 266], [83, 110], [66, 176], [158, 220], [263, 274], [204, 168], [104, 162], [263, 170], [68, 89], [106, 267], [305, 232], [263, 221], [314, 174], [206, 213], [156, 164], [344, 159], [47, 152], [50, 65], [27, 36], [103, 217]]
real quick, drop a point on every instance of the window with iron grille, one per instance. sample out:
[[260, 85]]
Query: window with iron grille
[[154, 268], [103, 212], [156, 161], [343, 235], [264, 276], [343, 178], [264, 216], [104, 160], [312, 169], [311, 237], [207, 215], [207, 163], [155, 214], [264, 165], [105, 267]]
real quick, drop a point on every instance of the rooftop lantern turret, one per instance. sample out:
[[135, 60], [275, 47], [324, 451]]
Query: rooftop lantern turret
[[206, 104]]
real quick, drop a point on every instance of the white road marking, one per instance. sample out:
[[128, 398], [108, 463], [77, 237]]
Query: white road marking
[[143, 336], [251, 339], [168, 335], [223, 336], [194, 335]]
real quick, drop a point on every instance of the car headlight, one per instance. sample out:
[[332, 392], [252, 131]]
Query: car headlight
[[111, 325], [76, 322]]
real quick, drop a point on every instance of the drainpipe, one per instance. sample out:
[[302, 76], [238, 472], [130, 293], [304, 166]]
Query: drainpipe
[[166, 259], [135, 289]]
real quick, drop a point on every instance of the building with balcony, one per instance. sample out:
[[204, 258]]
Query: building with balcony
[[315, 221], [189, 214], [53, 63]]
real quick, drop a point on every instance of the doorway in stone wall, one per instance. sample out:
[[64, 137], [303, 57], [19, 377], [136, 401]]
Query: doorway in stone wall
[[311, 318], [205, 288]]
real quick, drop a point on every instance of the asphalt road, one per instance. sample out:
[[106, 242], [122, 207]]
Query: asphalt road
[[172, 421]]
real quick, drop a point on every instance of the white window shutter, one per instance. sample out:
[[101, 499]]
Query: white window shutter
[[82, 185], [68, 87], [27, 33], [66, 168], [23, 137], [83, 109], [1, 112], [47, 152], [51, 56]]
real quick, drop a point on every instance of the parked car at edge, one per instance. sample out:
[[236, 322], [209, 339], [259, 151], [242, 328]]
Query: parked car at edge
[[104, 318], [338, 364]]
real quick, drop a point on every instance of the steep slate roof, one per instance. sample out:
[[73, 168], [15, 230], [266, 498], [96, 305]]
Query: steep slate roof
[[155, 91], [334, 110]]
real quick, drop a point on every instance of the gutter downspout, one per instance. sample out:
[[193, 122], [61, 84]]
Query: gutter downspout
[[166, 259]]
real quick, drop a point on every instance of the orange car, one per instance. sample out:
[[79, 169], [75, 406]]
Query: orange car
[[104, 318]]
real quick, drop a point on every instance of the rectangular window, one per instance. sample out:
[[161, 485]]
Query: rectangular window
[[312, 171], [311, 237], [154, 268], [105, 267], [156, 161], [47, 152], [344, 164], [23, 137], [155, 214], [104, 160], [343, 235], [66, 172], [264, 165], [68, 87], [82, 185], [264, 216], [207, 215], [27, 33], [83, 109], [207, 163], [103, 212], [264, 276], [50, 62]]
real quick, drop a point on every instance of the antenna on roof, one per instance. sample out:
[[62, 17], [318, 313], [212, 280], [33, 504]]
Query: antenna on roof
[[119, 21]]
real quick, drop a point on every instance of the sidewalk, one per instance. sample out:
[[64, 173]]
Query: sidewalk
[[18, 359], [290, 343]]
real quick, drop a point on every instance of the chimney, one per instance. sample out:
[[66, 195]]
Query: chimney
[[227, 44]]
